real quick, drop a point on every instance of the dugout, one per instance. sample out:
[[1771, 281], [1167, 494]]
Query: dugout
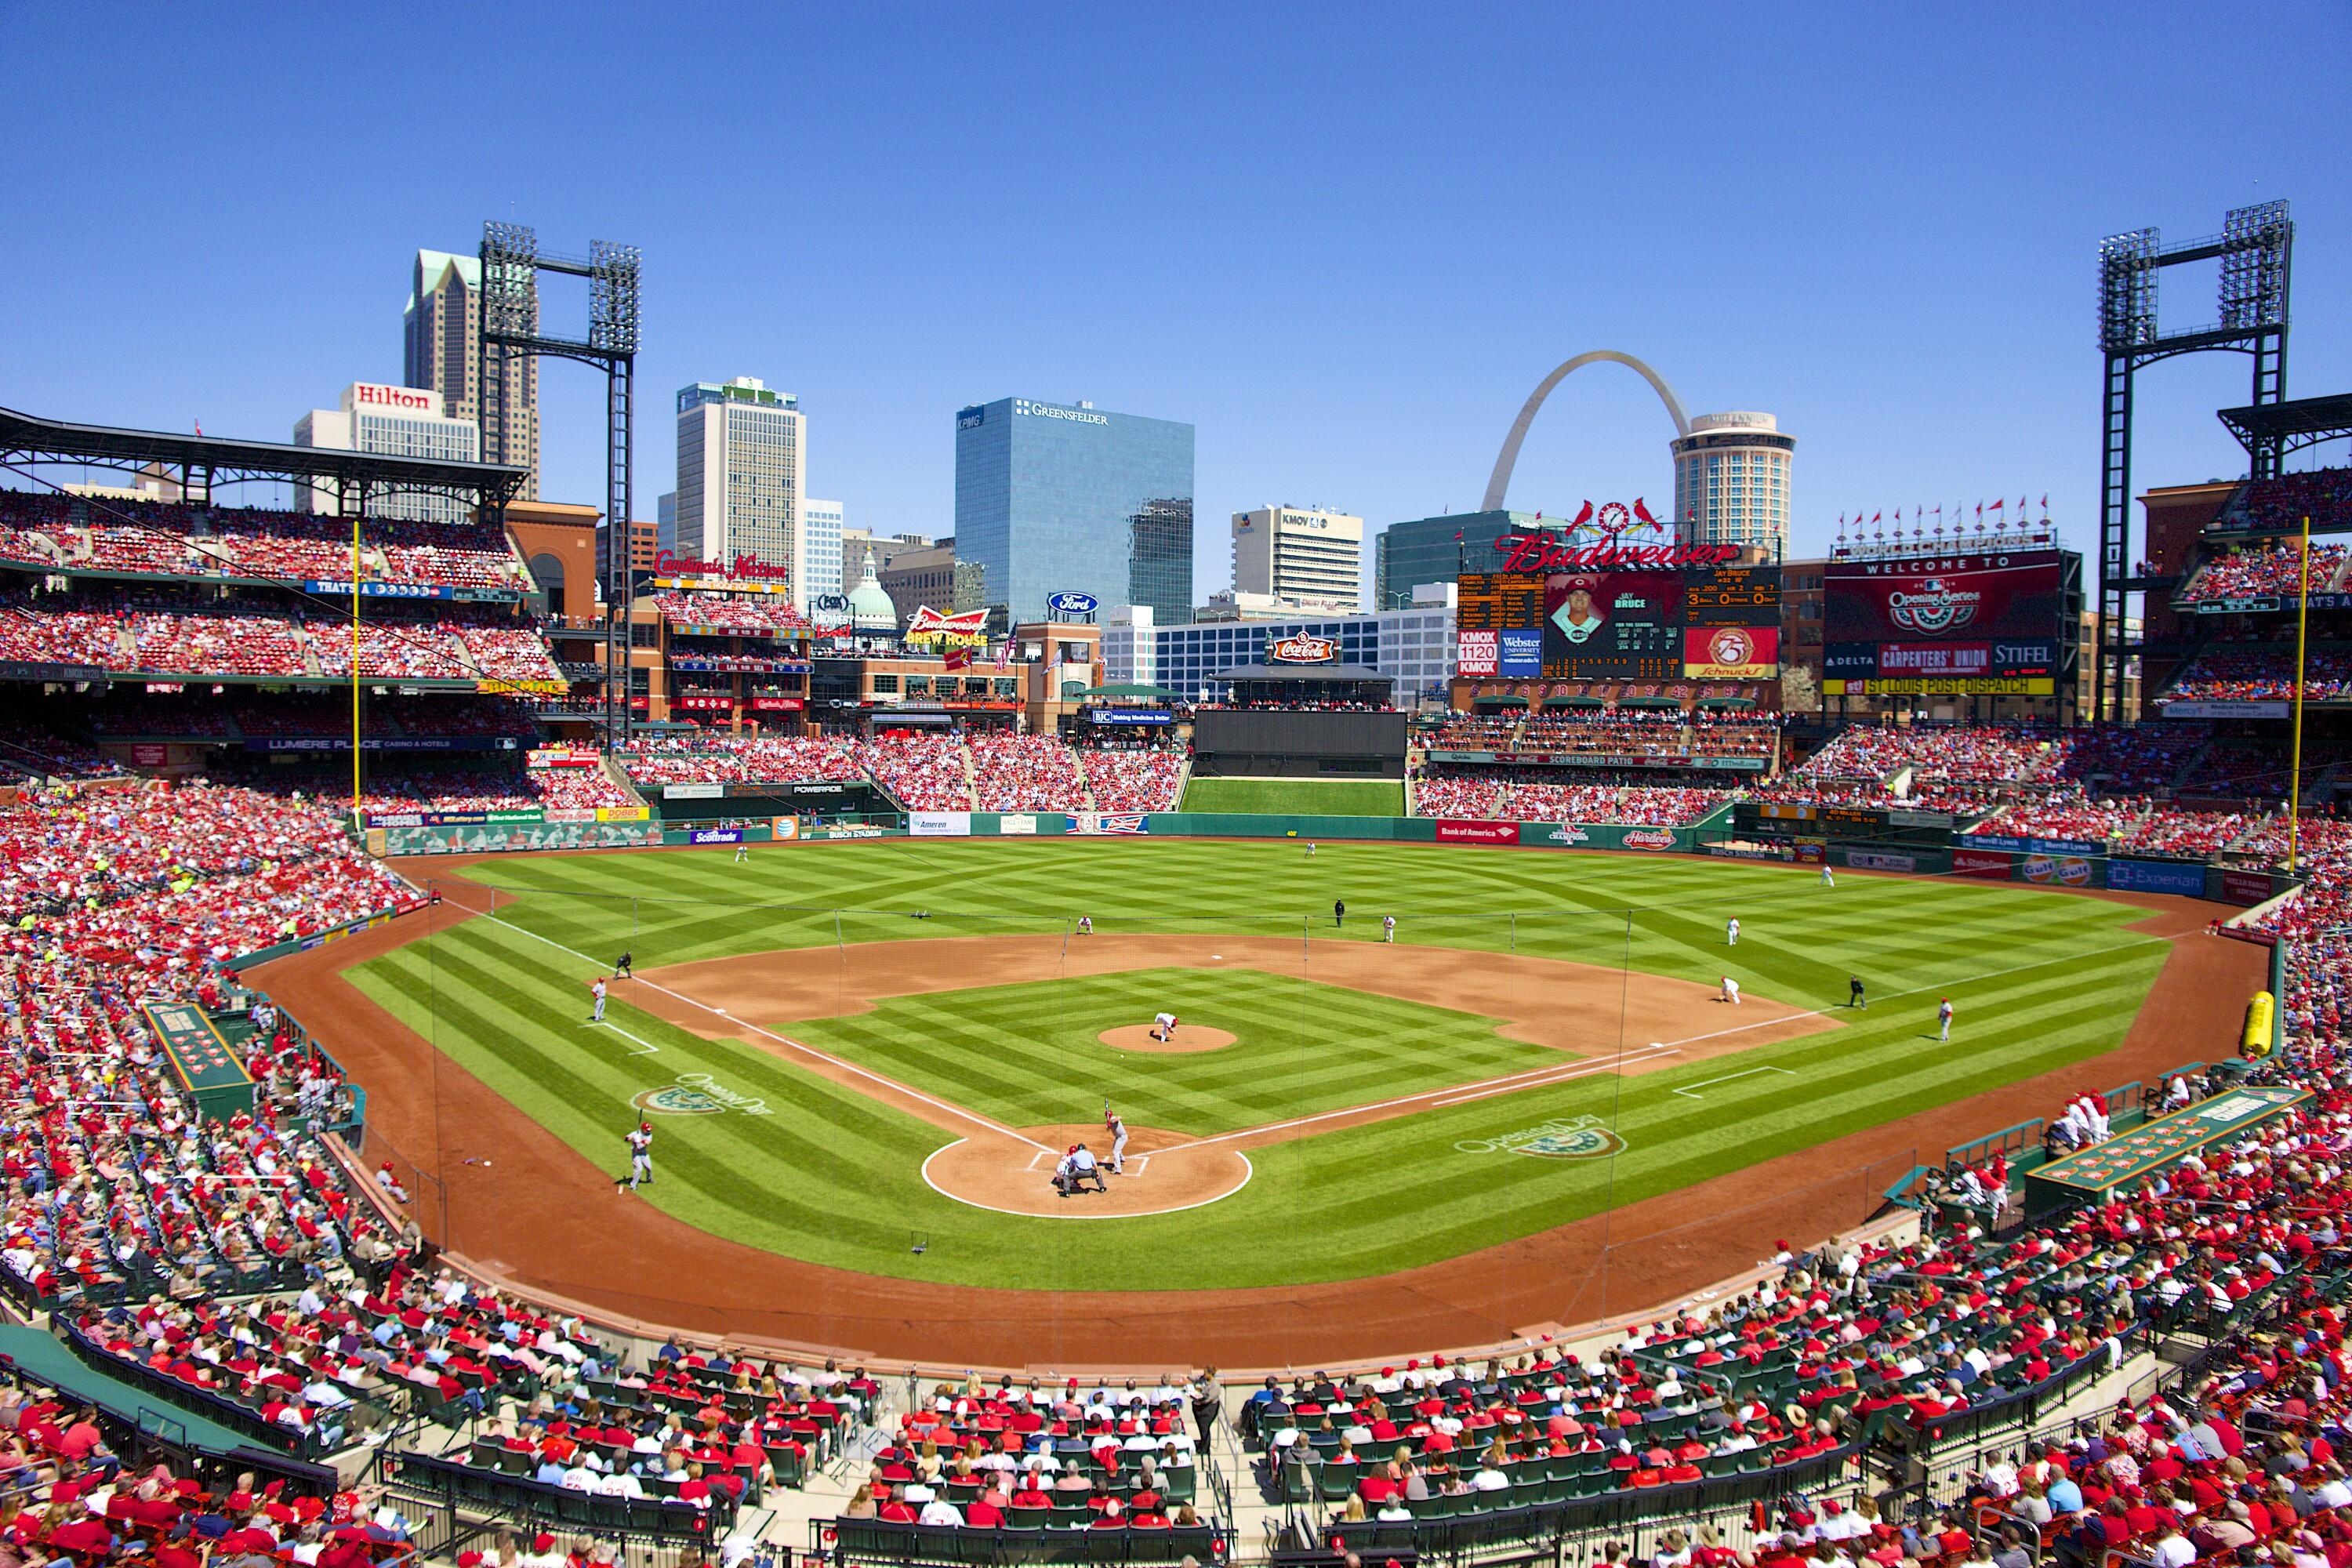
[[1298, 742], [2096, 1174]]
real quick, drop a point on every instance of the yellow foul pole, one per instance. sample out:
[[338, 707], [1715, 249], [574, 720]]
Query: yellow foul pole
[[357, 820], [2295, 768]]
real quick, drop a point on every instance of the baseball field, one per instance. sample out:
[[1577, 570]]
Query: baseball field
[[870, 1056]]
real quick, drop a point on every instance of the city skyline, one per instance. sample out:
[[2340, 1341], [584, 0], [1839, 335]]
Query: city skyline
[[1916, 304]]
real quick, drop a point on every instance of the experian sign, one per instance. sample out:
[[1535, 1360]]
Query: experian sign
[[1022, 405]]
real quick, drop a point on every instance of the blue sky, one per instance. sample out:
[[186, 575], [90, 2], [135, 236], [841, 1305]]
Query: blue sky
[[1344, 243]]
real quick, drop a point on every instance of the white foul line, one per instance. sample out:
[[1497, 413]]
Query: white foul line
[[957, 1110], [1746, 1072], [650, 1048], [1562, 1075]]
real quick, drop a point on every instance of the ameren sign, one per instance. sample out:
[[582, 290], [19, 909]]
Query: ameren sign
[[1550, 553]]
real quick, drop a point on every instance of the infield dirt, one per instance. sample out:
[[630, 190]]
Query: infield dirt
[[546, 1219]]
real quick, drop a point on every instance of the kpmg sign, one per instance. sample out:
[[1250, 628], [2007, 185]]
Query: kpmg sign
[[1022, 405], [971, 419]]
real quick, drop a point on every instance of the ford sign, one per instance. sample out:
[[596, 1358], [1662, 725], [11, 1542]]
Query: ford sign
[[1072, 604]]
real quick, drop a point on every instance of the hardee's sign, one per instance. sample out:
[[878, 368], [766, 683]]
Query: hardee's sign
[[1546, 551], [668, 564], [967, 628]]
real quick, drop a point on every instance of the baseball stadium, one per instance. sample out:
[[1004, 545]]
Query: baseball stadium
[[521, 1053]]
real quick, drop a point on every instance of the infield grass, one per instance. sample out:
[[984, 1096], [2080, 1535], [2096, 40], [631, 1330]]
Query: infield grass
[[2040, 979], [1297, 797]]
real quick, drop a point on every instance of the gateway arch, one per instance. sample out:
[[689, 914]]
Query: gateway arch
[[1501, 480]]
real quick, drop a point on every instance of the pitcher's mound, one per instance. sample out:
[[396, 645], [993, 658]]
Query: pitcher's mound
[[1189, 1037], [993, 1170]]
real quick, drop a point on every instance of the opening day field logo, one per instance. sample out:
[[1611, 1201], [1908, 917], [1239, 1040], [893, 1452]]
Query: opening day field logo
[[1561, 1138], [697, 1094]]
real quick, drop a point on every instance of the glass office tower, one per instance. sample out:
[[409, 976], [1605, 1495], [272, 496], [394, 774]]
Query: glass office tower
[[1054, 497]]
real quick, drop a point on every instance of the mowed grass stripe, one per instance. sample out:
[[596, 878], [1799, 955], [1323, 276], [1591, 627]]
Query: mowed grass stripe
[[1027, 1054], [2040, 979]]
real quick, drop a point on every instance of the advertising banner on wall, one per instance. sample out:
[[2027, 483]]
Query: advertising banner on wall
[[1991, 865], [491, 839], [938, 824], [2184, 878], [1092, 823], [783, 829], [1453, 832], [2246, 886], [1017, 824]]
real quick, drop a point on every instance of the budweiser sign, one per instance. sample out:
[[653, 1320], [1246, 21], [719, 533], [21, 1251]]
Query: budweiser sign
[[967, 628], [1546, 551], [668, 563], [1303, 649]]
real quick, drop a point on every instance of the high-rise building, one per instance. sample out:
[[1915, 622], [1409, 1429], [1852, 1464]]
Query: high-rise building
[[1054, 497], [441, 340], [1731, 482], [823, 522], [1305, 554], [740, 461], [1439, 549], [398, 422], [666, 521]]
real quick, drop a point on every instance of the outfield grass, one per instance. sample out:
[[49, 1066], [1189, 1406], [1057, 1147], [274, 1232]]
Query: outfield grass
[[1297, 797], [2040, 979]]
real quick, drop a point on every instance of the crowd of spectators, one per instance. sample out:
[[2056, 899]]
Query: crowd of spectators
[[176, 538], [2271, 568], [1522, 793], [2279, 505], [1138, 778], [738, 614], [1987, 753], [1012, 771], [741, 759], [136, 631], [2264, 675], [923, 771]]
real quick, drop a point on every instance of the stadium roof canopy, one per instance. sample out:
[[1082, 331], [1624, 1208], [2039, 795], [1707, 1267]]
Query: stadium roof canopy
[[1304, 674], [204, 461], [1129, 689], [2285, 427]]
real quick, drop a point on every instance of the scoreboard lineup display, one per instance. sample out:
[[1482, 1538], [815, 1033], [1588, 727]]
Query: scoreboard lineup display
[[1617, 624]]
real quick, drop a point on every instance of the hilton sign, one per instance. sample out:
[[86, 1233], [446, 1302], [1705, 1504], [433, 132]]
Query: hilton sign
[[414, 400]]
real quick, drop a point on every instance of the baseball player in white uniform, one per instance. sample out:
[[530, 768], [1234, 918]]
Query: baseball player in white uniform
[[1388, 928], [597, 991], [1164, 1027], [1730, 990], [1117, 1129], [1731, 932], [641, 1153], [742, 852], [1944, 1019], [1829, 877]]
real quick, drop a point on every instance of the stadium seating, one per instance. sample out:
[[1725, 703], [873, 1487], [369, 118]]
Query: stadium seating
[[1014, 772], [2279, 505], [1136, 779], [2270, 568]]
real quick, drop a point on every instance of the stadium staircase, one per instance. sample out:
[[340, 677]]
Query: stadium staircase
[[970, 776], [1085, 786]]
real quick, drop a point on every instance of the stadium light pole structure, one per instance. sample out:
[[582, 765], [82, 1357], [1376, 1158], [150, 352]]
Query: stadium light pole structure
[[2255, 247], [511, 262]]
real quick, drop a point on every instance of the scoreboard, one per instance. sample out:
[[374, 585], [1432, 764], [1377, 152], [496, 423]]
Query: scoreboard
[[1609, 623]]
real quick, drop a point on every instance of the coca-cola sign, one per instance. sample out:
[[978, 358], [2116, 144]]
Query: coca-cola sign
[[1303, 649]]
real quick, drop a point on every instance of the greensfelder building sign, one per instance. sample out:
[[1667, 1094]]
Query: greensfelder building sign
[[207, 1066]]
